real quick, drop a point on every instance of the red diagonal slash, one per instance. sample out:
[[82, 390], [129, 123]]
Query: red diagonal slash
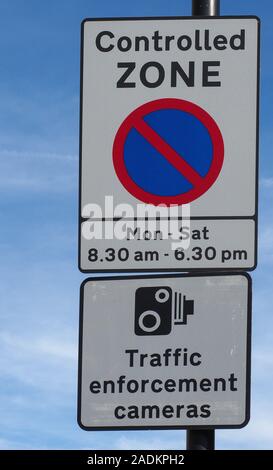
[[176, 160]]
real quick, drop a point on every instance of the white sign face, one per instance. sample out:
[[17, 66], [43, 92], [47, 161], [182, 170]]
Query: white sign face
[[169, 118], [165, 352]]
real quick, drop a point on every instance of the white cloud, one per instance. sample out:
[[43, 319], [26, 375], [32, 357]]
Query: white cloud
[[266, 183], [6, 444], [265, 244], [38, 172], [257, 435], [54, 184], [266, 238], [42, 346], [33, 360], [263, 360], [19, 155], [177, 440]]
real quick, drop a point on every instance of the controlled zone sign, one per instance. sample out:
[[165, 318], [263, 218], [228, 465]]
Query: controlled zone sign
[[169, 117], [165, 352]]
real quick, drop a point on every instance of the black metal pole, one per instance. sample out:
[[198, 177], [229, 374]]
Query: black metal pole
[[203, 439], [205, 7]]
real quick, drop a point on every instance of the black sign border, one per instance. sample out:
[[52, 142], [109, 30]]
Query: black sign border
[[150, 428]]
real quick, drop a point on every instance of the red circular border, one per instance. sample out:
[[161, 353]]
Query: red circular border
[[139, 113]]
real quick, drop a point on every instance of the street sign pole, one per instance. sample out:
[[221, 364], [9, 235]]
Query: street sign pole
[[203, 439], [205, 7]]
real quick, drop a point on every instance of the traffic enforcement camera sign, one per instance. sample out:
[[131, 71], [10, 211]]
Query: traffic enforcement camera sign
[[165, 352], [169, 118]]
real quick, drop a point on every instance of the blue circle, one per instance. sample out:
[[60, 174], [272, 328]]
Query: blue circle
[[150, 170]]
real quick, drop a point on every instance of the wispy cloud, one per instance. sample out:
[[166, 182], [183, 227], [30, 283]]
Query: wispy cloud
[[32, 360], [6, 444], [37, 171], [25, 155], [263, 360], [266, 183], [266, 243], [42, 346], [162, 440], [257, 435]]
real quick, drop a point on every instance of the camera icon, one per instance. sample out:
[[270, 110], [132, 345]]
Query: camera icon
[[158, 308]]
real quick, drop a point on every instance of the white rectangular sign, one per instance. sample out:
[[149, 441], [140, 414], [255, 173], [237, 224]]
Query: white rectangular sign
[[165, 352], [169, 118]]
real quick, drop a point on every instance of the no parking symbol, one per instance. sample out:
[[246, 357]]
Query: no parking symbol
[[168, 151]]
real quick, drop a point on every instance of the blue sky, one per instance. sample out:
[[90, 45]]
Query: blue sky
[[39, 288]]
